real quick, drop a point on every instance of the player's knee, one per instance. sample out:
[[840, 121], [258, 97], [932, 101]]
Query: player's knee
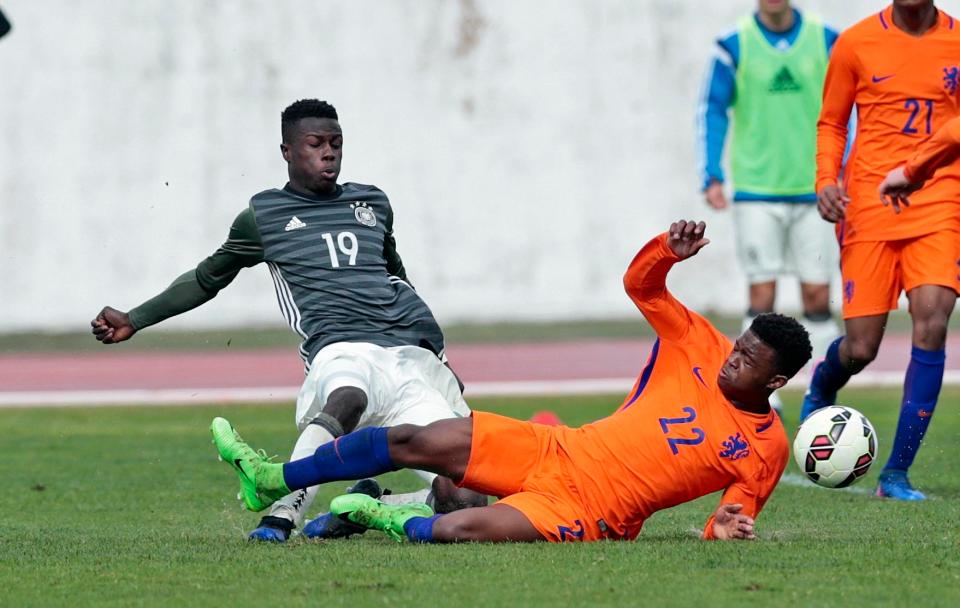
[[930, 331], [447, 497], [346, 404], [862, 352]]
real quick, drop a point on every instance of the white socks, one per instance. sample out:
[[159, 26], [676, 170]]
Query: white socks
[[294, 506]]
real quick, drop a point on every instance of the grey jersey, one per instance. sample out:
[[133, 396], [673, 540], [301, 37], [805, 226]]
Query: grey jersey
[[334, 265], [328, 260]]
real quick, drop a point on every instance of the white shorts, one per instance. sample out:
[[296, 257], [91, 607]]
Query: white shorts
[[404, 385], [775, 239]]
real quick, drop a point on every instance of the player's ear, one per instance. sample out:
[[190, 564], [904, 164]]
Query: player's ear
[[285, 151], [777, 382]]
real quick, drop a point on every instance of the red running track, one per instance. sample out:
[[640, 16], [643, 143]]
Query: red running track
[[122, 367]]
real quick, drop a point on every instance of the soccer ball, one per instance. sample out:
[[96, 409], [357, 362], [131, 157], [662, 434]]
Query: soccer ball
[[835, 446]]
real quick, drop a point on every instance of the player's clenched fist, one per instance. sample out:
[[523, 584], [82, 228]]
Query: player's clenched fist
[[686, 238], [730, 524], [112, 326]]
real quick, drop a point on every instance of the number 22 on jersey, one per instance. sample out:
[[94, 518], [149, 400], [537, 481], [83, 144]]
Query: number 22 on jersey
[[672, 439]]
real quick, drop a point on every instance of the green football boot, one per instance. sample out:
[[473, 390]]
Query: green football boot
[[261, 481], [370, 513]]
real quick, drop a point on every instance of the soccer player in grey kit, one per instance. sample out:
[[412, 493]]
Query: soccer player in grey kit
[[373, 350]]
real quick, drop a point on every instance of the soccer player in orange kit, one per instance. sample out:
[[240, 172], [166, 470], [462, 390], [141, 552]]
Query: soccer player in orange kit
[[901, 68], [698, 420]]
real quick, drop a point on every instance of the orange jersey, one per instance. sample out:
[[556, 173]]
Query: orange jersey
[[939, 151], [676, 437], [905, 88]]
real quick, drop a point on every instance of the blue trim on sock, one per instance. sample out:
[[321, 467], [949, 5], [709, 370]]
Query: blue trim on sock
[[420, 529], [928, 357], [831, 375], [363, 453], [921, 388]]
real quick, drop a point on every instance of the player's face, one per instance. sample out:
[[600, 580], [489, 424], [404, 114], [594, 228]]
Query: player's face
[[774, 7], [313, 151], [750, 369]]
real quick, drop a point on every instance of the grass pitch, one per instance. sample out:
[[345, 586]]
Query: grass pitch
[[129, 507]]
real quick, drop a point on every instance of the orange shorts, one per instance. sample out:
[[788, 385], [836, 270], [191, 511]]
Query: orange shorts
[[522, 464], [875, 272]]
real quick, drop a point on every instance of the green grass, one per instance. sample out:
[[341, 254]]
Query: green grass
[[158, 338], [129, 507]]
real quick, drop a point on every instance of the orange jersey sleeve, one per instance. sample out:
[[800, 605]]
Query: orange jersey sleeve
[[938, 151], [904, 89], [752, 493], [646, 283], [839, 92]]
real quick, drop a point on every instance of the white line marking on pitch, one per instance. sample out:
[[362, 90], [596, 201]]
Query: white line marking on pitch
[[799, 481]]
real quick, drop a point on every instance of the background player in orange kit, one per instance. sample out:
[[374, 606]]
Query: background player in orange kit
[[698, 420], [901, 67]]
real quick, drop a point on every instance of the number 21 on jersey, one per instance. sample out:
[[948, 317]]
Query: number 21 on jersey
[[920, 118], [673, 440]]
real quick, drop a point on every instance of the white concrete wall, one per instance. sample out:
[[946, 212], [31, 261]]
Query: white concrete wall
[[529, 147]]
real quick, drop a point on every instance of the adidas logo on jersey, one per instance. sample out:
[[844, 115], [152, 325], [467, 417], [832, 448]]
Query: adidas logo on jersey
[[295, 223], [783, 82]]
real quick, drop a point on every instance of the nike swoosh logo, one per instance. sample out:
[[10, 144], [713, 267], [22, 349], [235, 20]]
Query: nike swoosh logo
[[877, 79], [696, 372], [236, 463]]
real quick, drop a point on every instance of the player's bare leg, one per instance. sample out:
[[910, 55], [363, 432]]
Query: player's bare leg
[[493, 524], [845, 357], [862, 341], [930, 308], [815, 297], [817, 319], [442, 447], [762, 298], [417, 523]]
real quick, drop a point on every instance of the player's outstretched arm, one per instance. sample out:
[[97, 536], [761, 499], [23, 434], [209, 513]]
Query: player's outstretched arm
[[646, 279], [730, 524], [242, 249]]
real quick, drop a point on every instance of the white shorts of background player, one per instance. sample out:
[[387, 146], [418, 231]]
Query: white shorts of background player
[[776, 239]]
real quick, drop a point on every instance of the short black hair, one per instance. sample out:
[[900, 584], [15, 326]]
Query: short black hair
[[306, 108], [787, 337]]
